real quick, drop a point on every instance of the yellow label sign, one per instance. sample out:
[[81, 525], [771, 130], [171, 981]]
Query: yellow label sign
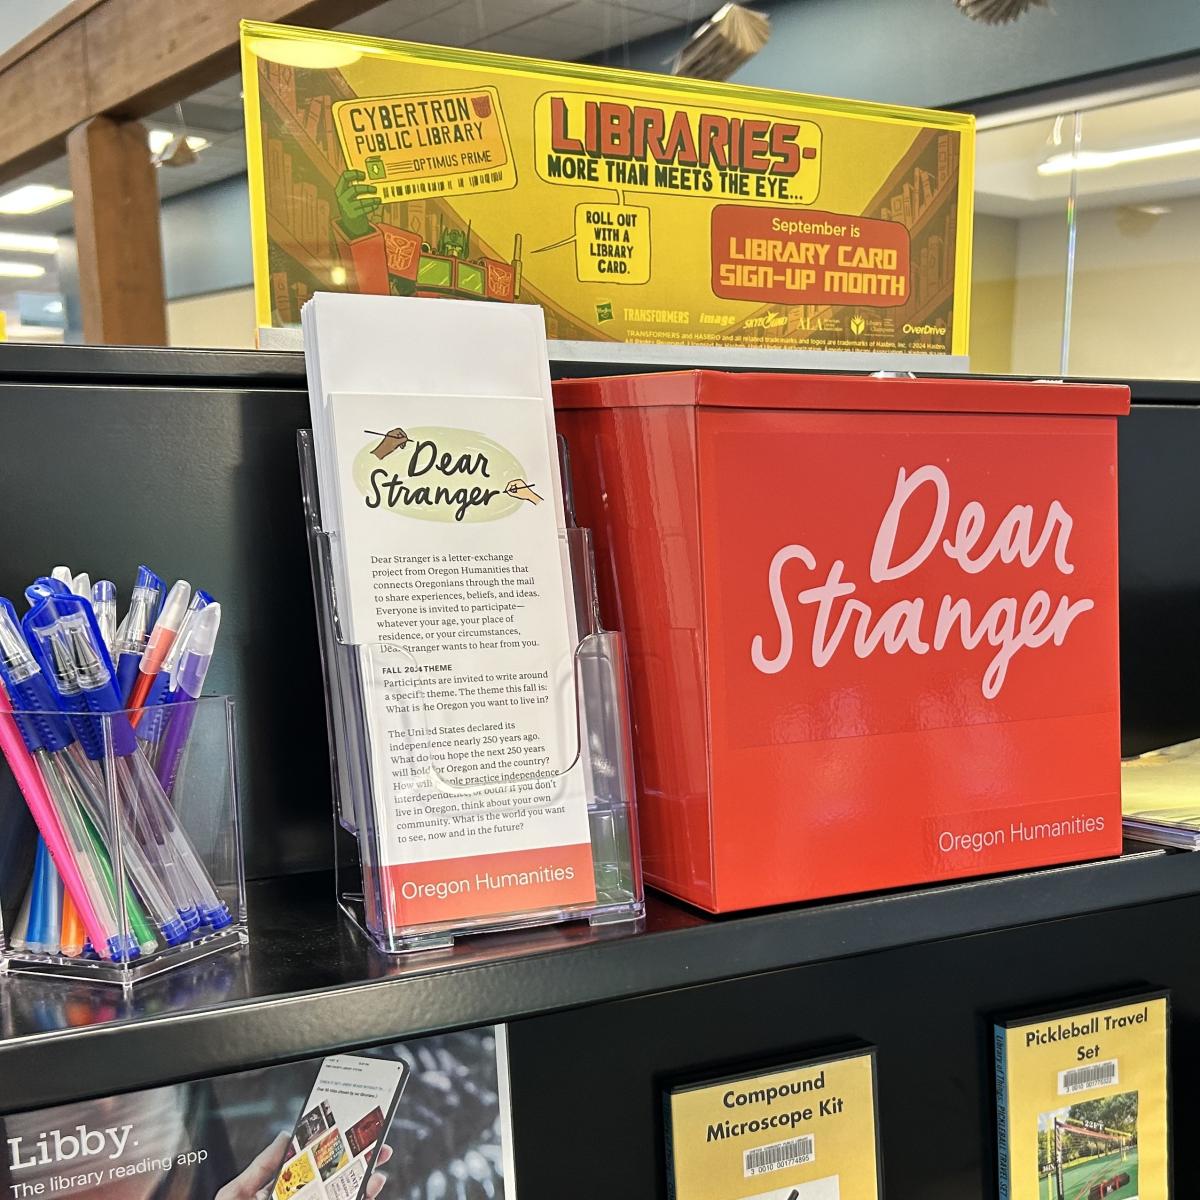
[[597, 141], [629, 207], [804, 1132], [427, 143], [1082, 1103]]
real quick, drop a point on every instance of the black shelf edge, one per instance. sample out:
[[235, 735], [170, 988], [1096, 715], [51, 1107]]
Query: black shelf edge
[[309, 985], [284, 369]]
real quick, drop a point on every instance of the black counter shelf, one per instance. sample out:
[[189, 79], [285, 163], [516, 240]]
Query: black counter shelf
[[308, 985]]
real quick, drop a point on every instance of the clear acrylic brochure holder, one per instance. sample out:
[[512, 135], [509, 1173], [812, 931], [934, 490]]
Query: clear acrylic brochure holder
[[601, 746], [162, 845]]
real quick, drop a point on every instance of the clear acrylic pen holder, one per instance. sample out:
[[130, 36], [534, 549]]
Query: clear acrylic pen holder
[[127, 835], [410, 780]]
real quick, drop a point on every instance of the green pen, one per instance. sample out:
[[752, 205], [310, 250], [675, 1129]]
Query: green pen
[[142, 929]]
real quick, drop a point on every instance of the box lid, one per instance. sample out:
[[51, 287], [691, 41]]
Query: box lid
[[842, 393]]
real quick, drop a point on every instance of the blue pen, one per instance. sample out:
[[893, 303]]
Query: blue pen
[[178, 865], [63, 634], [43, 586], [134, 631], [35, 936]]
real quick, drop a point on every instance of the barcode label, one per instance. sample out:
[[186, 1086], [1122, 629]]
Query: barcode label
[[793, 1153], [427, 188], [486, 177], [1083, 1079]]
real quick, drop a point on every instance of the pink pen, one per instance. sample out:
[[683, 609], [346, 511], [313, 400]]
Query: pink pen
[[104, 937]]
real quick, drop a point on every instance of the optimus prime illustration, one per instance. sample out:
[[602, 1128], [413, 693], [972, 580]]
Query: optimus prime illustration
[[386, 260]]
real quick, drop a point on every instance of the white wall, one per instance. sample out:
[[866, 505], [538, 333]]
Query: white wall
[[993, 293], [218, 319], [1136, 305]]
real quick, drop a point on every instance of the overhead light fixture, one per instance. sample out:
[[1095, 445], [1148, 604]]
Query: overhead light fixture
[[32, 198], [54, 308], [29, 243], [1099, 160], [160, 139], [20, 270]]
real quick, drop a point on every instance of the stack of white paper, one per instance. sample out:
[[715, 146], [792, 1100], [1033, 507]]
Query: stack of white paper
[[442, 501]]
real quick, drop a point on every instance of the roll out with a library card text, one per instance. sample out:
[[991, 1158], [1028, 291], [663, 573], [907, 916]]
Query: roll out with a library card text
[[804, 1130], [1082, 1102]]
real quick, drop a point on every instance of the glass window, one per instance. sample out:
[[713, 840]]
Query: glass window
[[1128, 303]]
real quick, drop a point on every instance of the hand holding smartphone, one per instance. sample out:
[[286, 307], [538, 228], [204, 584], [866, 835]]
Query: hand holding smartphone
[[341, 1129]]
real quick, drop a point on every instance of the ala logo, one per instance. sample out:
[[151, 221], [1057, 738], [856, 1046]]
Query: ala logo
[[858, 324], [769, 320]]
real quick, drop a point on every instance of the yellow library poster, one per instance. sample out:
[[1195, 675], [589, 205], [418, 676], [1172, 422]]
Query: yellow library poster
[[806, 1131], [1082, 1103], [632, 207]]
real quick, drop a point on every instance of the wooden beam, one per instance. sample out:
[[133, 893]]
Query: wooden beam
[[127, 58], [121, 286]]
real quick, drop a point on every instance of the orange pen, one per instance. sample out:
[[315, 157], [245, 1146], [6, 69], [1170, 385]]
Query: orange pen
[[165, 630], [72, 928]]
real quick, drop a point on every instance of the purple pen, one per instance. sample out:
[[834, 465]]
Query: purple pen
[[186, 686]]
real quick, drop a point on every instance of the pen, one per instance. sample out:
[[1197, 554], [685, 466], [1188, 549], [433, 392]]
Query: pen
[[62, 631], [35, 937], [19, 938], [49, 919], [104, 605], [150, 729], [166, 628], [134, 630], [72, 929], [43, 586], [63, 635], [21, 738], [187, 685], [81, 585], [63, 575]]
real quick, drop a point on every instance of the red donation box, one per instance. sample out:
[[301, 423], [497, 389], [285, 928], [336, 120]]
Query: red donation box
[[872, 623]]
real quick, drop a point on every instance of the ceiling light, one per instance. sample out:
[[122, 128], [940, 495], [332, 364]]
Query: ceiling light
[[160, 139], [32, 198], [1152, 210], [19, 270], [1097, 160], [54, 307], [29, 243]]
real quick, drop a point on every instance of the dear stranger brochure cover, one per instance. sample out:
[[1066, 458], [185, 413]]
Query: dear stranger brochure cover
[[427, 1117]]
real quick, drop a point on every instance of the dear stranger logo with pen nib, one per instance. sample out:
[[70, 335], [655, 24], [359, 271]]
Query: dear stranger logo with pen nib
[[442, 474]]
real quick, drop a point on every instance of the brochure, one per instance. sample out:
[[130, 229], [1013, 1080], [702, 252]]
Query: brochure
[[1082, 1102], [442, 502], [1160, 796]]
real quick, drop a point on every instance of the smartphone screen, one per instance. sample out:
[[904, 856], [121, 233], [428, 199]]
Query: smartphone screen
[[341, 1128]]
